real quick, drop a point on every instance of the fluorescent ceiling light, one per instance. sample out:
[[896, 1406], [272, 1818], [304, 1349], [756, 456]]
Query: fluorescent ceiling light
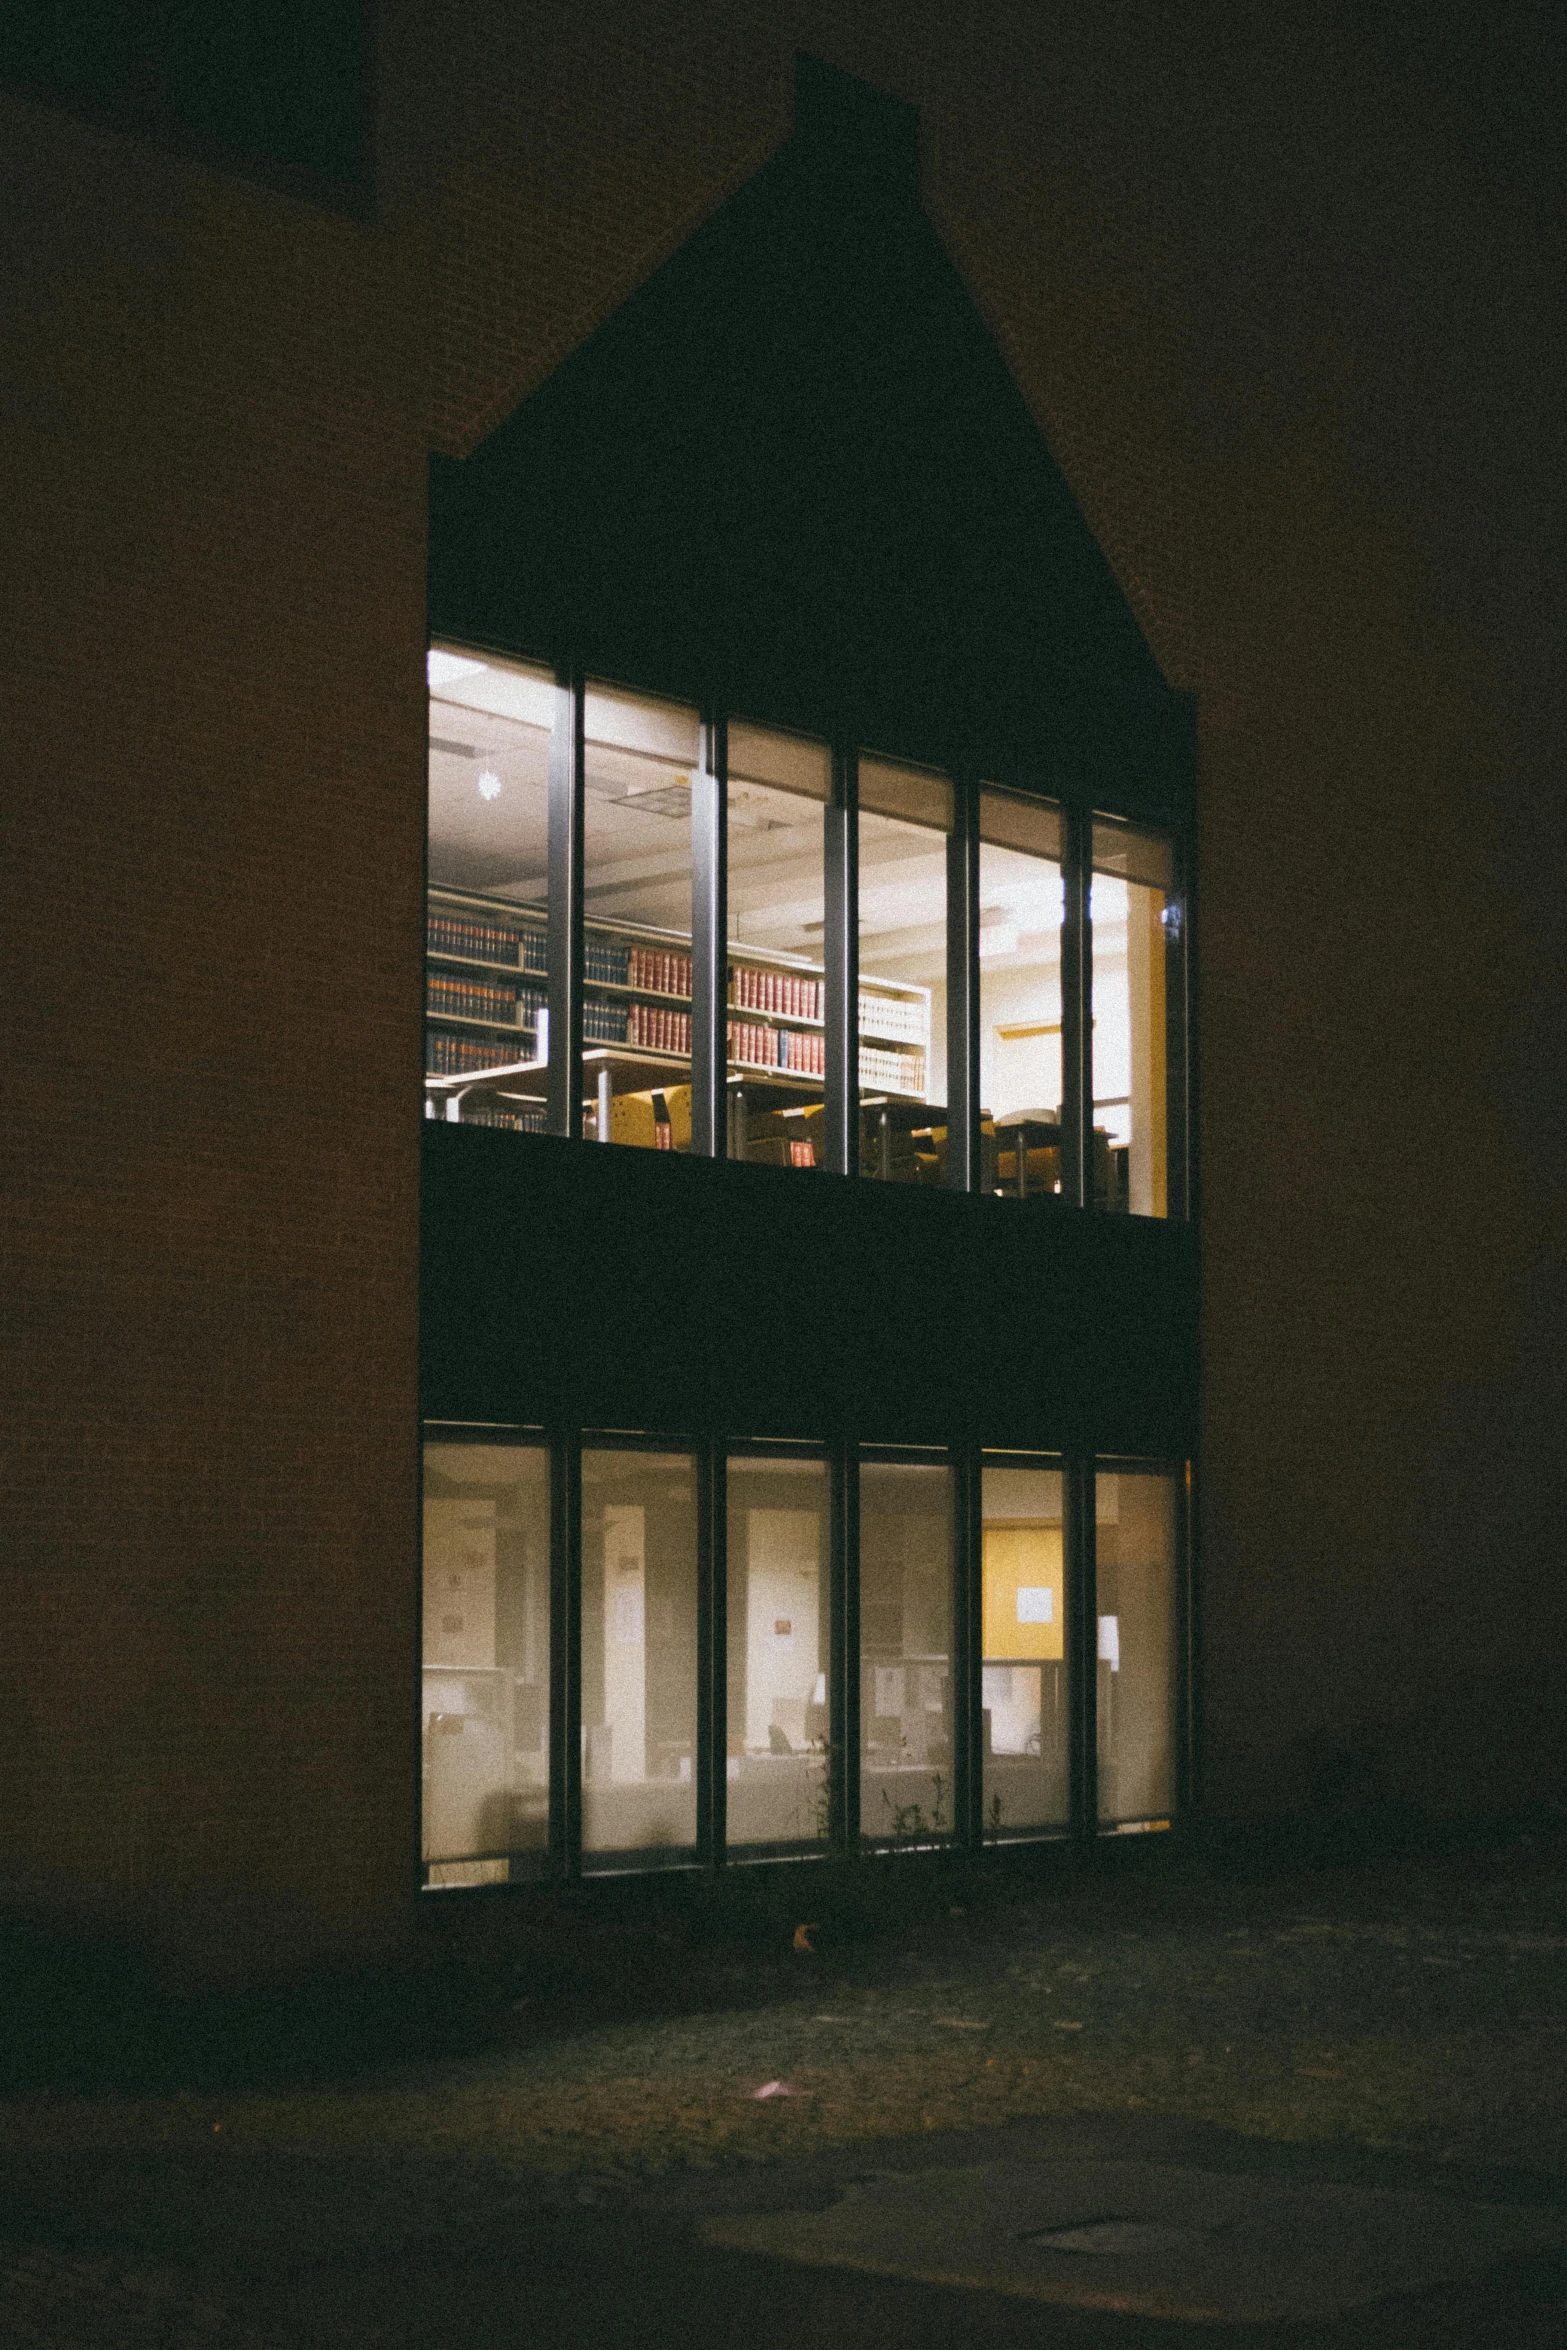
[[443, 668]]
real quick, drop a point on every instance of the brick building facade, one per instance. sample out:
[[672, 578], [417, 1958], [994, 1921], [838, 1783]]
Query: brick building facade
[[1278, 298]]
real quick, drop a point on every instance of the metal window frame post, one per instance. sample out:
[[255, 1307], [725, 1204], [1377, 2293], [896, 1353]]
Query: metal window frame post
[[563, 1085], [840, 822], [709, 940]]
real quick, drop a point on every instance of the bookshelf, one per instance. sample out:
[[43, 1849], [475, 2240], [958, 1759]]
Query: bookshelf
[[485, 988]]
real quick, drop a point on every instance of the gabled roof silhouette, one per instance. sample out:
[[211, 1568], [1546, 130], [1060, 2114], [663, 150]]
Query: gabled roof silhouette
[[794, 470]]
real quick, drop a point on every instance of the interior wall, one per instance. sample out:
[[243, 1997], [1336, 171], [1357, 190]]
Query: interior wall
[[1282, 292]]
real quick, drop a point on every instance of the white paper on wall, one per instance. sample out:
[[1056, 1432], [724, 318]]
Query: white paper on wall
[[459, 1582], [1035, 1604]]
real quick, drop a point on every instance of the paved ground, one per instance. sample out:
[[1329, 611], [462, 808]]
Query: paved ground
[[1243, 2063]]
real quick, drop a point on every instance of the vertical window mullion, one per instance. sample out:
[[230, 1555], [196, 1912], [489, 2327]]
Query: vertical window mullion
[[1178, 1041], [709, 939], [842, 955], [968, 1760], [1082, 1643], [712, 1740], [1187, 1653], [963, 1104], [844, 1684], [563, 1114], [1077, 1029], [566, 1651]]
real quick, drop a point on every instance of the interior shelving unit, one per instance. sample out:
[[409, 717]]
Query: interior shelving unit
[[485, 989]]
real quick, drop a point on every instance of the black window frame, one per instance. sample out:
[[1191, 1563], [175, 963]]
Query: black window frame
[[1078, 808], [565, 1861]]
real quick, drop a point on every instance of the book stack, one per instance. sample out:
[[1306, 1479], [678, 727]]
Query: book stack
[[657, 1030], [891, 1072], [470, 999], [535, 950], [901, 1017], [775, 991], [804, 1050], [509, 1121], [604, 1023], [605, 962], [749, 1041], [660, 970], [478, 942], [455, 1056]]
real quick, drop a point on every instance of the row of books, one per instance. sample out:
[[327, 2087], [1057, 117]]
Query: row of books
[[660, 970], [663, 971], [894, 1071], [778, 1048], [480, 999], [900, 1017], [775, 991], [658, 1030], [509, 1121], [455, 1056], [484, 942], [605, 962], [605, 1023]]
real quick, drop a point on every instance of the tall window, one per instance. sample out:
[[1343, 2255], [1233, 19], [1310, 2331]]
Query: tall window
[[1137, 937], [775, 1042], [779, 1617], [638, 756], [486, 945], [1136, 1518], [906, 1532], [486, 1678], [1023, 1688], [638, 1648], [1020, 1057], [905, 822]]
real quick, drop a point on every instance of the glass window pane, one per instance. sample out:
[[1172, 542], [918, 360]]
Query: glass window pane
[[486, 1662], [1135, 1526], [638, 757], [1020, 1064], [779, 1629], [905, 1652], [485, 967], [638, 1651], [905, 818], [778, 788], [1134, 933], [1023, 1675]]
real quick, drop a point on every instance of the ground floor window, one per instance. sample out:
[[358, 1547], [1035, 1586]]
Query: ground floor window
[[642, 1652]]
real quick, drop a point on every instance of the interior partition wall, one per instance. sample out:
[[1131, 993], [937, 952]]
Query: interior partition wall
[[644, 1652]]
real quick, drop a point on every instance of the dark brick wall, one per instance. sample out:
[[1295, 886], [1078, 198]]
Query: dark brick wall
[[1280, 291]]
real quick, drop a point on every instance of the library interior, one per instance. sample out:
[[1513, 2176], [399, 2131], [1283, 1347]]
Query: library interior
[[487, 1041]]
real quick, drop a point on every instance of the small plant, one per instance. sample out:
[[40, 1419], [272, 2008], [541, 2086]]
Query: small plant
[[911, 1823], [823, 1807]]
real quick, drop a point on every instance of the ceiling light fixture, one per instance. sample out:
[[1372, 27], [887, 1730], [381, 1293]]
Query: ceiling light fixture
[[489, 785]]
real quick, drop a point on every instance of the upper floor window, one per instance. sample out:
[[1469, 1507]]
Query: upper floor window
[[716, 937]]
